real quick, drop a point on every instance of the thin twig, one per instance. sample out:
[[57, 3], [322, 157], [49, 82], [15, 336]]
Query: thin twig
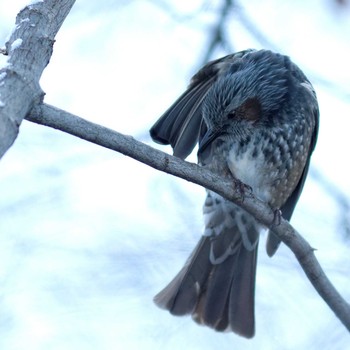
[[335, 89], [218, 32]]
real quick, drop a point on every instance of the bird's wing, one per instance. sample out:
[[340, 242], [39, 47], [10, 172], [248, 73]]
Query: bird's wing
[[180, 125]]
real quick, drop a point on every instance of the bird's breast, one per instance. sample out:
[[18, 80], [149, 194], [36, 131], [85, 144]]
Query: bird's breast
[[271, 164], [248, 166]]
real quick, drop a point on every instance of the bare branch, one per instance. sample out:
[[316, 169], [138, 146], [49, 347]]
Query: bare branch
[[333, 88], [29, 48], [218, 32], [53, 117]]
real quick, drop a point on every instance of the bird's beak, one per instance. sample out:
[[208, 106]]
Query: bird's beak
[[207, 139]]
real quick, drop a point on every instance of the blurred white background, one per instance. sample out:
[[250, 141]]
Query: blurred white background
[[88, 236]]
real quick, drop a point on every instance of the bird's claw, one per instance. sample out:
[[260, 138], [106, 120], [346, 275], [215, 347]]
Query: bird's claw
[[242, 189], [277, 218]]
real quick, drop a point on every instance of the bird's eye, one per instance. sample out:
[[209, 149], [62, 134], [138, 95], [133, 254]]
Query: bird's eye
[[231, 115]]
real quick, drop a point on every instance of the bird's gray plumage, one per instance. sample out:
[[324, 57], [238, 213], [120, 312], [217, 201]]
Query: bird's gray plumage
[[254, 115]]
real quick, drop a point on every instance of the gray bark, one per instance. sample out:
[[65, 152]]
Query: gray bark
[[29, 49]]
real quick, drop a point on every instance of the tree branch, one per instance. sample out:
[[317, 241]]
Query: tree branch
[[29, 48], [218, 32], [53, 117]]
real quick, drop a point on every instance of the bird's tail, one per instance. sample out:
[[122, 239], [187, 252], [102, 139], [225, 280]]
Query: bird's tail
[[216, 285]]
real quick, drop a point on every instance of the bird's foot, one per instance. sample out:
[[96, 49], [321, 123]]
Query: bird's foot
[[242, 189], [277, 218]]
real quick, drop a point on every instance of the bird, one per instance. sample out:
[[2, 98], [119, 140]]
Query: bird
[[255, 118]]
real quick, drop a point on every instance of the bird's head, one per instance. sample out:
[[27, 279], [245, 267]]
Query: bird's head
[[242, 99]]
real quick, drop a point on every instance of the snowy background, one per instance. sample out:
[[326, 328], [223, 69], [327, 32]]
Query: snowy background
[[88, 236]]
